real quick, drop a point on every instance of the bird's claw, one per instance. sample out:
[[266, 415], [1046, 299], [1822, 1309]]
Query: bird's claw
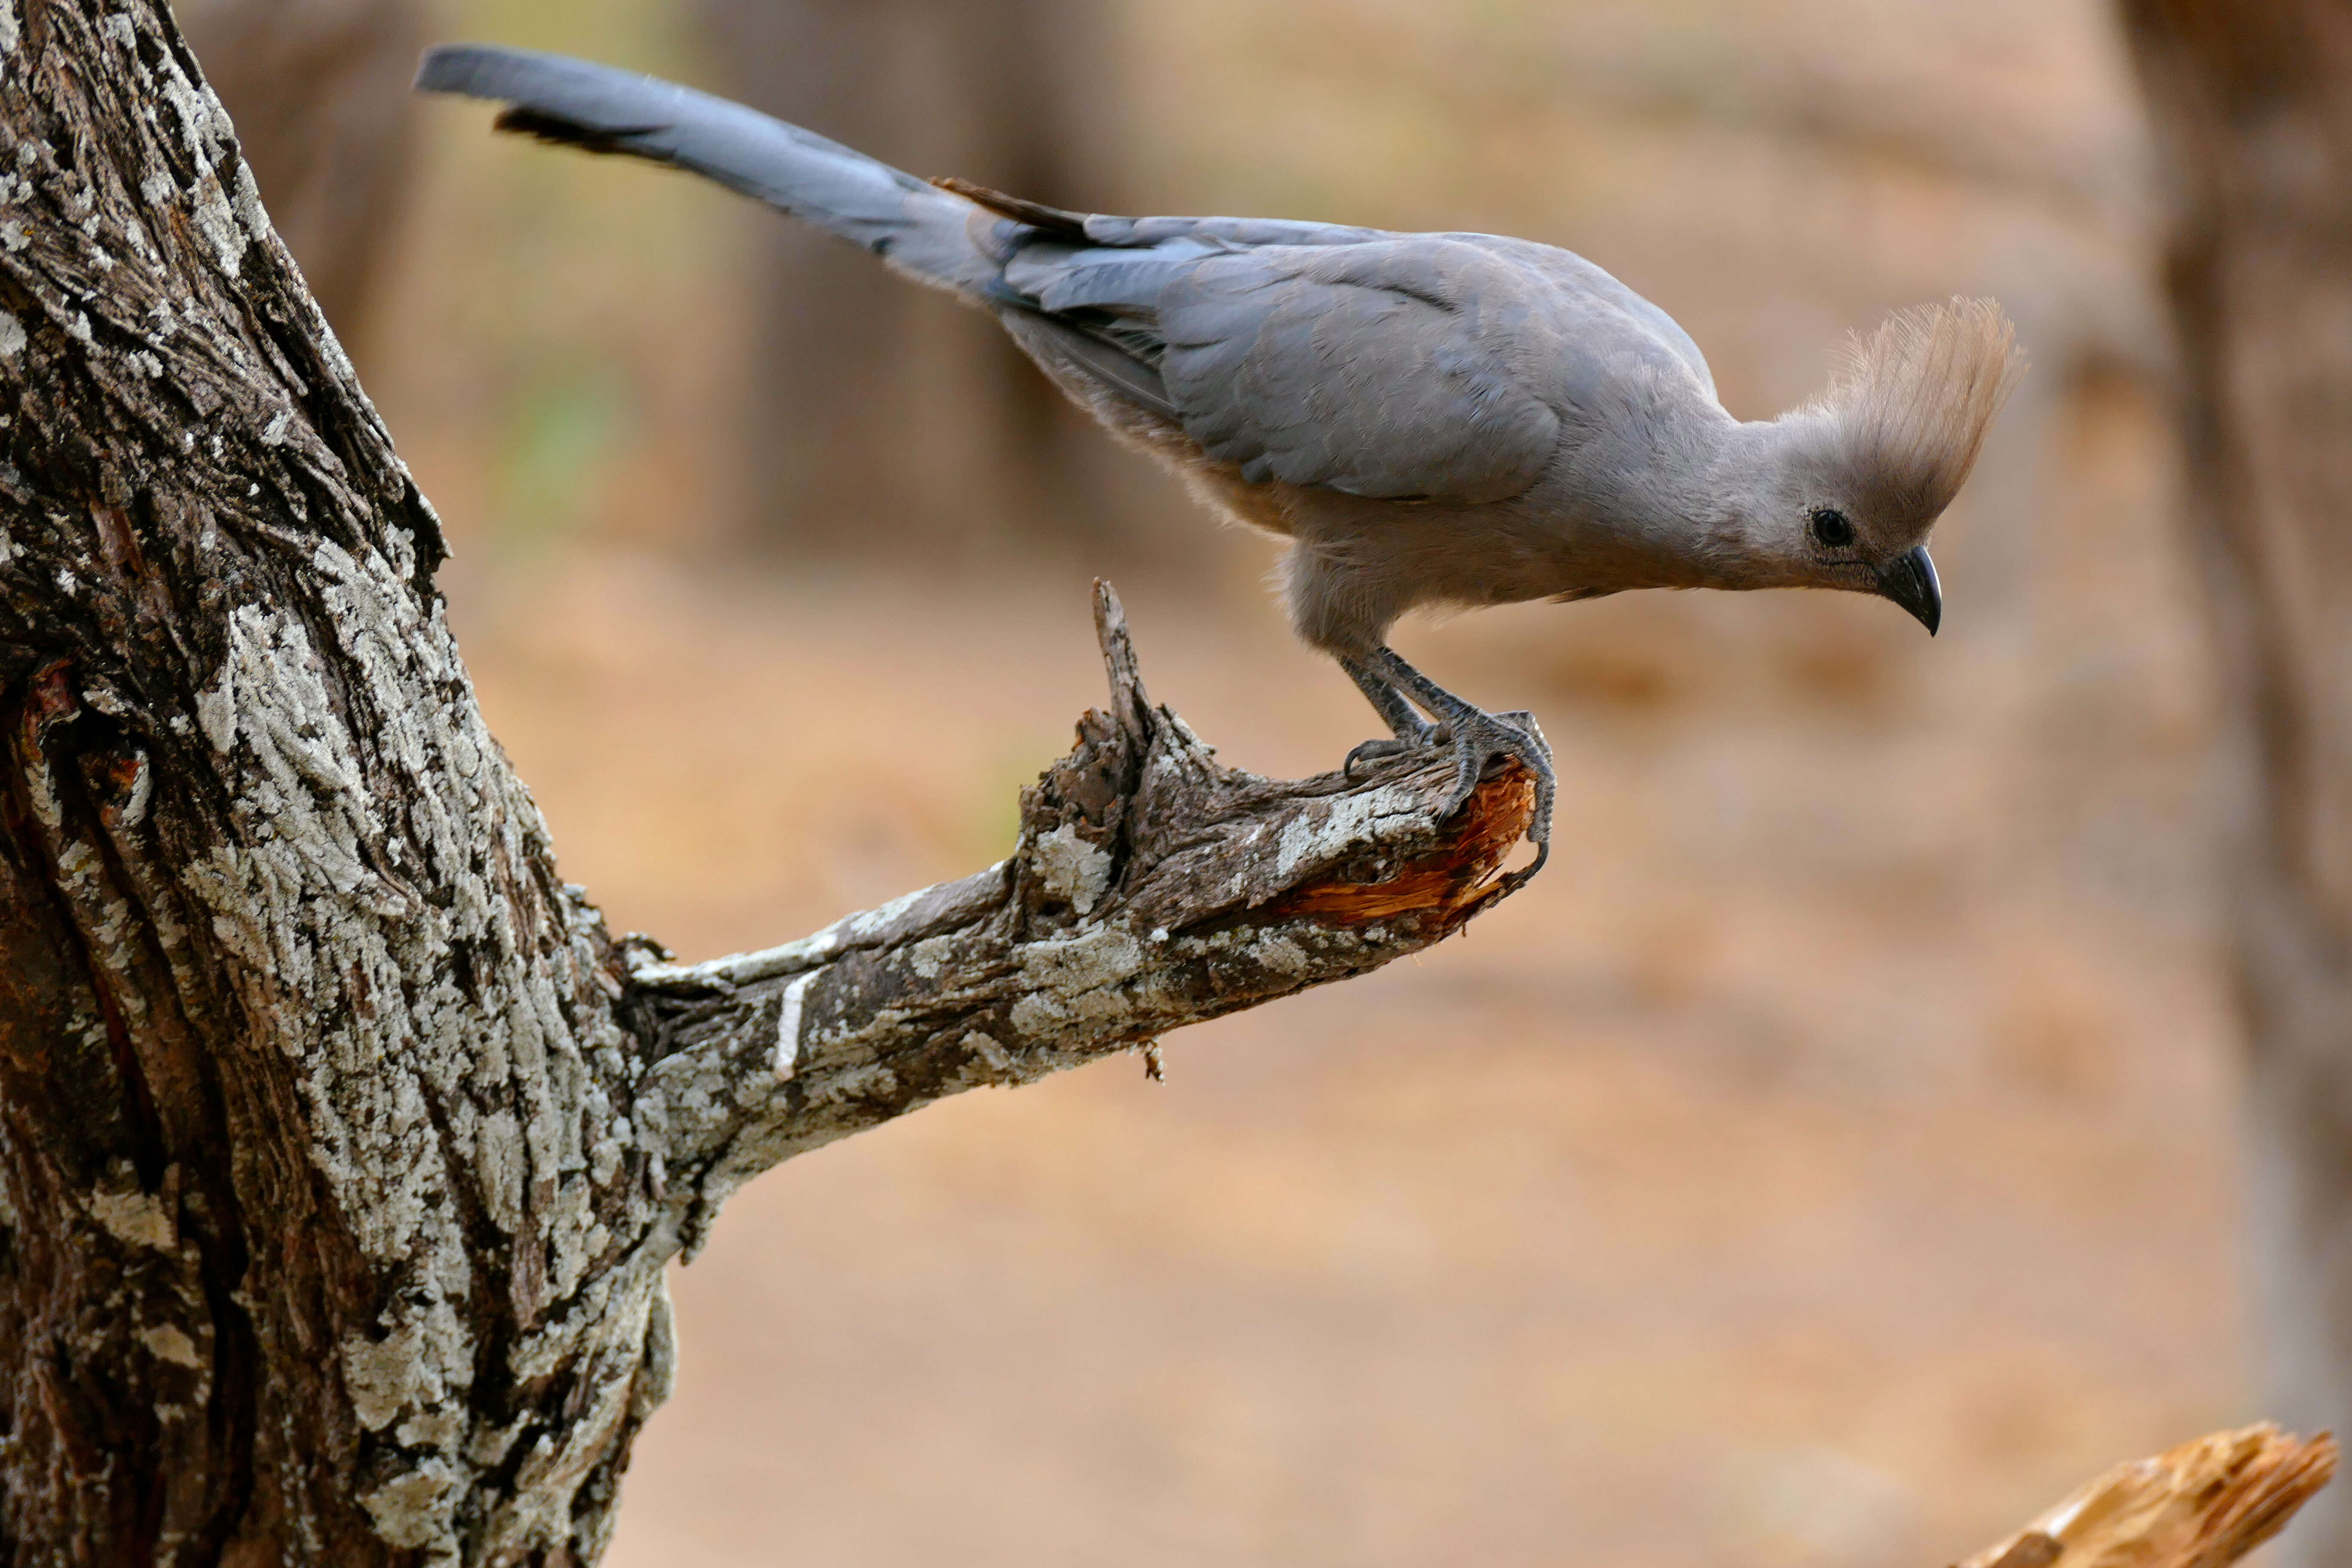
[[1391, 746], [1482, 740], [1482, 743], [1522, 721], [1477, 738]]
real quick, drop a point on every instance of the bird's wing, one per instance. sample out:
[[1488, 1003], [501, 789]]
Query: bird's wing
[[1375, 363], [1371, 364]]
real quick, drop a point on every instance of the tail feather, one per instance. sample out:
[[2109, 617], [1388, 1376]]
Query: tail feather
[[922, 230]]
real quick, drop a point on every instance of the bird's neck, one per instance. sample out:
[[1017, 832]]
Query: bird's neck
[[1699, 499], [1687, 498], [1739, 515]]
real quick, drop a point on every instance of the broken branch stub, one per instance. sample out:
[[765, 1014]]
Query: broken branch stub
[[1150, 888], [2204, 1504]]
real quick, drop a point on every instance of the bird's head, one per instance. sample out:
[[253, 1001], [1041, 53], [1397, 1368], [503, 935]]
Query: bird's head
[[1857, 476]]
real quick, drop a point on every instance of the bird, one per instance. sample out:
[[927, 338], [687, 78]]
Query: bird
[[1432, 421]]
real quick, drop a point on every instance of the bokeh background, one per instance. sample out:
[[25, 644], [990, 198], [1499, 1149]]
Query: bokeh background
[[1830, 1160]]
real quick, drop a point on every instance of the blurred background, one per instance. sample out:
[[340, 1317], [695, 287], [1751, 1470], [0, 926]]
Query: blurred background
[[1830, 1160]]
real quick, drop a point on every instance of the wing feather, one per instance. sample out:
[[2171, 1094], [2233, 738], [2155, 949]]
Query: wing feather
[[1368, 368]]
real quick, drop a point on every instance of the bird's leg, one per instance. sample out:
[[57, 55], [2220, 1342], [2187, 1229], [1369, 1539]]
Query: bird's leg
[[1411, 732], [1478, 737]]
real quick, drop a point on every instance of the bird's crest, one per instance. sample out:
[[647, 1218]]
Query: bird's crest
[[1912, 401]]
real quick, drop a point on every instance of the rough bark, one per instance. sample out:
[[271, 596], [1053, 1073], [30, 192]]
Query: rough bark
[[1151, 889], [341, 1148], [869, 398], [2252, 102]]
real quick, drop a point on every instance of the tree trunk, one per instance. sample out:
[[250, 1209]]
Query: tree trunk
[[2253, 102], [342, 1150], [871, 399]]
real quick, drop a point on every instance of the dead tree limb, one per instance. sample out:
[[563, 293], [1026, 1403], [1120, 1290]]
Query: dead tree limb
[[1151, 889], [340, 1149], [2204, 1504]]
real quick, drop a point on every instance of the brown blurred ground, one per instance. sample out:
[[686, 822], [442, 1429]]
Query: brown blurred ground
[[1828, 1161]]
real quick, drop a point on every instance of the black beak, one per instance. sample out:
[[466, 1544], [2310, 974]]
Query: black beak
[[1911, 583]]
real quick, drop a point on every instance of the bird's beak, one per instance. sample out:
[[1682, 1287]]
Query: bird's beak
[[1911, 583]]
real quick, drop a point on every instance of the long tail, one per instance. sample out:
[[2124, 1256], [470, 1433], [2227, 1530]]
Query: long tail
[[929, 234]]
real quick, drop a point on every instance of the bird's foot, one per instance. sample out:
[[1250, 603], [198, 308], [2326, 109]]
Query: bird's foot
[[1520, 718], [1482, 741], [1408, 731], [1422, 739], [1432, 737], [1546, 786]]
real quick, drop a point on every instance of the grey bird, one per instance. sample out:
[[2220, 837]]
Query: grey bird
[[1431, 420]]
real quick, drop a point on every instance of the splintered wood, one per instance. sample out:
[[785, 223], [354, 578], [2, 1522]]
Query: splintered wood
[[2204, 1504]]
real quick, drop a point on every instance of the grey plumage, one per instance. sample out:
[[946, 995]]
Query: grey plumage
[[1456, 420]]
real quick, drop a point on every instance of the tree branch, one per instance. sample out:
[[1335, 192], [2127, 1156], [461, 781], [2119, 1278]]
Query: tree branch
[[1150, 888], [340, 1149]]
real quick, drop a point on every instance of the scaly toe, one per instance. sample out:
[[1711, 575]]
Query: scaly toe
[[1486, 741], [1519, 718], [1469, 768], [1375, 751]]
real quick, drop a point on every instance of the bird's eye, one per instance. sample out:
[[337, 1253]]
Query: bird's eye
[[1831, 527]]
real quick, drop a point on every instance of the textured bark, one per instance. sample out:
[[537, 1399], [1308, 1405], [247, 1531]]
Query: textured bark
[[870, 398], [340, 1149], [1150, 889], [328, 1235], [2253, 100]]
